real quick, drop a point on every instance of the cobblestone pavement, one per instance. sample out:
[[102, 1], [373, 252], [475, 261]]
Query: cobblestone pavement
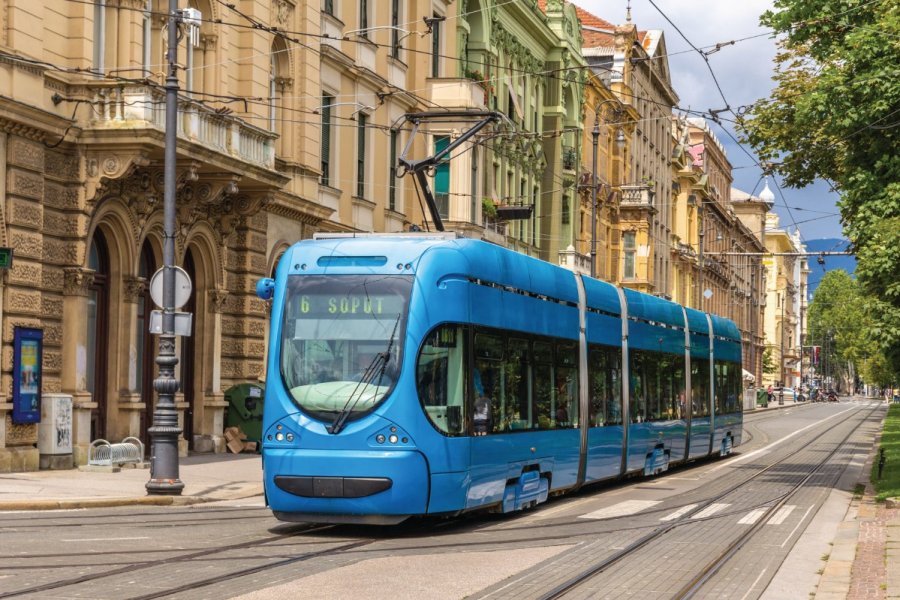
[[869, 575]]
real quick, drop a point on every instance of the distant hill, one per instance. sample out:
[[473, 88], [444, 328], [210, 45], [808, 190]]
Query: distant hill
[[817, 271]]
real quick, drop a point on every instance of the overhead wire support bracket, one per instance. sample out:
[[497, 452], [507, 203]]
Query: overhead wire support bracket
[[419, 168]]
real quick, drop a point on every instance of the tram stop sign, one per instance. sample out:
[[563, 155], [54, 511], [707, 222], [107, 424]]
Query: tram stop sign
[[182, 287]]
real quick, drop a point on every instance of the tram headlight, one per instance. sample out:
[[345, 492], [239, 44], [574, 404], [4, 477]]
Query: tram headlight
[[289, 437], [393, 439], [379, 438], [279, 437]]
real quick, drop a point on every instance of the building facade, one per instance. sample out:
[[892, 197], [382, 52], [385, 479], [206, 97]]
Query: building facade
[[280, 134], [786, 270]]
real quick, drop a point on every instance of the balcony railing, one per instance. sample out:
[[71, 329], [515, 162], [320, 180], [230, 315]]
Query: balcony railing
[[142, 106], [456, 93], [572, 260], [637, 196]]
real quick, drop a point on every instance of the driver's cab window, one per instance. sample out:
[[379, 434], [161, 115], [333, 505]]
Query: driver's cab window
[[439, 378]]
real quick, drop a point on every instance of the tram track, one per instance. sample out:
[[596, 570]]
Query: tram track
[[711, 567], [134, 566], [281, 557]]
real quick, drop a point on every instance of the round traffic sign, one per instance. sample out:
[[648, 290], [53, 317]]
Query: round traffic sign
[[182, 287]]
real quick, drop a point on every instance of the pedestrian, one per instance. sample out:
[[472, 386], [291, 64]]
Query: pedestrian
[[771, 392]]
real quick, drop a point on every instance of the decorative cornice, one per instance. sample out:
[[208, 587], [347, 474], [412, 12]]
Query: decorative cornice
[[297, 208]]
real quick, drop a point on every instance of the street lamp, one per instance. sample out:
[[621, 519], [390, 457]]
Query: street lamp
[[165, 430], [620, 144]]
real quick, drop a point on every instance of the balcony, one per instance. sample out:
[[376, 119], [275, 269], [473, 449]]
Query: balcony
[[573, 261], [456, 94], [638, 197], [118, 107]]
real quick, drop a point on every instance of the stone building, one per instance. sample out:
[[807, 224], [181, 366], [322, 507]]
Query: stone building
[[635, 65], [279, 135], [786, 272]]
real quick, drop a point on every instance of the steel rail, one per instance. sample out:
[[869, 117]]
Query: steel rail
[[580, 579]]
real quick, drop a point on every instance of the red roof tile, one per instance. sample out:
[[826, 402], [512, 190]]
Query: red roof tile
[[589, 20]]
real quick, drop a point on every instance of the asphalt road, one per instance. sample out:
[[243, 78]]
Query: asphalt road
[[724, 528]]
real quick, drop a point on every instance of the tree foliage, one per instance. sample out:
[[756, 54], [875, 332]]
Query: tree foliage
[[835, 115], [844, 321]]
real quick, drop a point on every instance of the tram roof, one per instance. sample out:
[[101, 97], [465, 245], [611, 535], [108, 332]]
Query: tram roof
[[651, 308], [697, 322], [725, 328]]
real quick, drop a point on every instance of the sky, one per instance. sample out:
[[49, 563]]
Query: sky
[[744, 72]]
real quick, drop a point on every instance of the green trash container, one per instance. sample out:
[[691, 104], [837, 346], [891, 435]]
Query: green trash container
[[245, 409], [762, 397]]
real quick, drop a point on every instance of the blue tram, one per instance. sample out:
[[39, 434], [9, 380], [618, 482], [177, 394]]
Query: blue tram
[[422, 374]]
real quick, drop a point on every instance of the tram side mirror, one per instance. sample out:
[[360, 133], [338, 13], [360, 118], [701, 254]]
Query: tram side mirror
[[265, 288]]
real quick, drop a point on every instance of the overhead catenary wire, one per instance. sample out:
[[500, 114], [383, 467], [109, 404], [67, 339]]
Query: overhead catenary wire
[[259, 25]]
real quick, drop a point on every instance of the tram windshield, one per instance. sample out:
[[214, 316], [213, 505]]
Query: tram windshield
[[342, 341]]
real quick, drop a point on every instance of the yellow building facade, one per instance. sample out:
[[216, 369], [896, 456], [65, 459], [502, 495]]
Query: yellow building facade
[[285, 128]]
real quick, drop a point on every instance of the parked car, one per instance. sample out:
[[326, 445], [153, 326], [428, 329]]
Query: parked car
[[789, 394]]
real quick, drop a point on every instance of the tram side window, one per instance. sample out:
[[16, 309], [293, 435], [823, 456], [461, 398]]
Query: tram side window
[[605, 383], [638, 400], [672, 382], [728, 387], [516, 409], [736, 374], [699, 387], [543, 384], [488, 384], [565, 401], [439, 378]]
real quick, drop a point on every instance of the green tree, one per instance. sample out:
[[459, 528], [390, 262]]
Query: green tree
[[768, 362], [835, 115]]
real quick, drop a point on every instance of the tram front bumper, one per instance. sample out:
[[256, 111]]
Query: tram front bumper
[[335, 483]]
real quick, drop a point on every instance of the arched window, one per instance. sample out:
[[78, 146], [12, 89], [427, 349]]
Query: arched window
[[147, 38], [97, 348], [99, 57], [279, 68]]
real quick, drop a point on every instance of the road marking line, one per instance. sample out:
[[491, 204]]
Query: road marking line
[[782, 514], [678, 513], [794, 530], [621, 509], [752, 517], [710, 510], [121, 539], [761, 573]]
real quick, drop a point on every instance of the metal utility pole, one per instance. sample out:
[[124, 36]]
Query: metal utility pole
[[596, 135], [700, 265], [781, 375], [165, 431]]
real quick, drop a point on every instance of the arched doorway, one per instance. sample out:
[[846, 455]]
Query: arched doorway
[[145, 344], [97, 347], [188, 358]]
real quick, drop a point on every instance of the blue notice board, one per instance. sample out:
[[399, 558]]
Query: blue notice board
[[28, 345]]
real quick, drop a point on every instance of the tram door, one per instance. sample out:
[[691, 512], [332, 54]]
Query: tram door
[[491, 450]]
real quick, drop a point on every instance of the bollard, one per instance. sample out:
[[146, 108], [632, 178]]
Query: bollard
[[881, 461]]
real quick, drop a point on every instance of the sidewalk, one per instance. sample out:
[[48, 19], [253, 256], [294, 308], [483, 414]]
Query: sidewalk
[[206, 478]]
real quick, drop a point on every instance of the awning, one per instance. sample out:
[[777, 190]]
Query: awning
[[748, 376]]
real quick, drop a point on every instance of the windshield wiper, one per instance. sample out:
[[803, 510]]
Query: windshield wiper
[[375, 368]]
